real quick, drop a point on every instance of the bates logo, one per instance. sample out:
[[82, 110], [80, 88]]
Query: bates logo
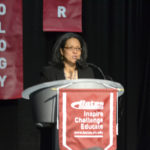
[[83, 104]]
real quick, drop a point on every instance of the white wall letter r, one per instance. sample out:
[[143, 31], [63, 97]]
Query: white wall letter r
[[61, 12]]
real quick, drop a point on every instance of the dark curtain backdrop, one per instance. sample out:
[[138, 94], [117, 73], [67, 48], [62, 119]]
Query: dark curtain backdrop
[[117, 33]]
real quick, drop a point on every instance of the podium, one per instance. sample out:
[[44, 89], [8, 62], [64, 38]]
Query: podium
[[45, 96]]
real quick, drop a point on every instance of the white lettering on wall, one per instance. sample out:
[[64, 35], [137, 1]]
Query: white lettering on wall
[[2, 9], [2, 80], [2, 45], [3, 63], [1, 30], [61, 12]]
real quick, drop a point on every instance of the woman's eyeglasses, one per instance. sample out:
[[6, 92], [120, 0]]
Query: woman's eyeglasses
[[73, 48]]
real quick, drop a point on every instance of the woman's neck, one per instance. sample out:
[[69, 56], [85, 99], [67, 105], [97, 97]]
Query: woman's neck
[[69, 67], [70, 72]]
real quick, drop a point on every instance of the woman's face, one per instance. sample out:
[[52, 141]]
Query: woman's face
[[71, 51]]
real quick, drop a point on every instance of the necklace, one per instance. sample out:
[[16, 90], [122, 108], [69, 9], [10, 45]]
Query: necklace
[[71, 75]]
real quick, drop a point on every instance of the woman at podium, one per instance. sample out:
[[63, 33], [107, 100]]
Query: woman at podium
[[68, 63], [68, 60]]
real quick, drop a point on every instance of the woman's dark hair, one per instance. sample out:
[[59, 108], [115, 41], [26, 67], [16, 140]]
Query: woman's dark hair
[[60, 43]]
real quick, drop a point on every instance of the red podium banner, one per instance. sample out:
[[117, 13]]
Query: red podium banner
[[11, 63], [87, 119], [64, 15]]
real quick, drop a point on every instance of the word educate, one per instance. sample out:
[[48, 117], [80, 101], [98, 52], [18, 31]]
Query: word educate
[[3, 46]]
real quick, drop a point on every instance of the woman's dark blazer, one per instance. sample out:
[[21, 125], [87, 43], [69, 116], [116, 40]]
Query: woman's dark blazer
[[51, 73]]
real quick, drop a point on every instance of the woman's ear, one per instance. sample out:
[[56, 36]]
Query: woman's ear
[[61, 51]]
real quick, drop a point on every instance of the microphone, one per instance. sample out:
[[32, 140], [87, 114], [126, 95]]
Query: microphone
[[80, 63], [98, 68]]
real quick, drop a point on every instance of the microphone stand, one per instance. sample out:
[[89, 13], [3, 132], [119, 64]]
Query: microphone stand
[[98, 68]]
